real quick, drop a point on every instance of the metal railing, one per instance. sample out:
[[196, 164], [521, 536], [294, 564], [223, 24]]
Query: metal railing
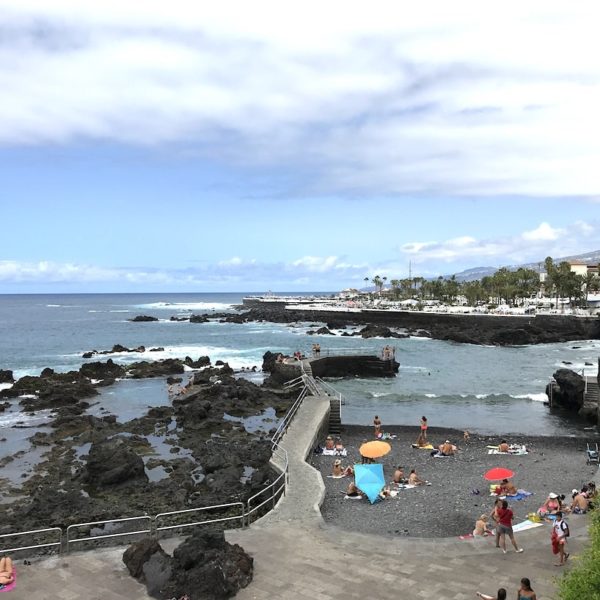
[[35, 532], [111, 523], [285, 422], [177, 513], [331, 391]]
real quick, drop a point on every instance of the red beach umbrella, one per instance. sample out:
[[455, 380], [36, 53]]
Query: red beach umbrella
[[498, 473]]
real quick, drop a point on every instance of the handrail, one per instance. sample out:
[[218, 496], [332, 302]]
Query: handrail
[[35, 531], [109, 535], [283, 425], [159, 516], [330, 389]]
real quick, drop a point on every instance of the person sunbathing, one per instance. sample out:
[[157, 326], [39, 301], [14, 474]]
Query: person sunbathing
[[339, 447], [447, 449], [414, 479], [481, 526], [503, 447], [507, 488], [340, 471], [580, 504], [399, 475], [352, 490], [421, 440], [329, 444], [6, 571]]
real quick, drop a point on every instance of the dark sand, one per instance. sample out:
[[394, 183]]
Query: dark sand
[[448, 508]]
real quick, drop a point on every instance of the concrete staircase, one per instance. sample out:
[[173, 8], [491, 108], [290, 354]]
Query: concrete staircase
[[592, 395], [335, 418]]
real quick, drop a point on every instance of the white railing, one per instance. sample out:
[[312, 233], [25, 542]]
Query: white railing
[[158, 519], [102, 524], [37, 532]]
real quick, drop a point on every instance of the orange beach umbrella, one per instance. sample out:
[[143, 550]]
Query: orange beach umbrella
[[374, 449]]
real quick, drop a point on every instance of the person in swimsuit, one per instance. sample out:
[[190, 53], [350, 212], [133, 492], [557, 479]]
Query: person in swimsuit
[[340, 471], [377, 426], [352, 490], [525, 592], [508, 488], [329, 443], [424, 427], [551, 506], [501, 595], [414, 479], [481, 526], [398, 475], [503, 447], [580, 503], [6, 571]]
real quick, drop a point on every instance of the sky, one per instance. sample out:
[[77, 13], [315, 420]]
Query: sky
[[292, 146]]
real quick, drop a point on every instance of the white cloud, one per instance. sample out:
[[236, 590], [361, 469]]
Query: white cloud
[[544, 232], [529, 246], [466, 99]]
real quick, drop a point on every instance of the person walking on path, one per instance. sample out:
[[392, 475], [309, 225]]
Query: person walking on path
[[525, 592], [505, 516], [560, 533]]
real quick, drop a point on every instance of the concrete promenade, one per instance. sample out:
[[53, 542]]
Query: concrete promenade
[[298, 556]]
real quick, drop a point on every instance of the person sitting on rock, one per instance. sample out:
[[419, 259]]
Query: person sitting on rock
[[414, 479], [399, 475], [507, 488], [7, 574], [504, 447], [340, 471]]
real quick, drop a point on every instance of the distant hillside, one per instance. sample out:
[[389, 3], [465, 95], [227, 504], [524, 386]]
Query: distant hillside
[[592, 258]]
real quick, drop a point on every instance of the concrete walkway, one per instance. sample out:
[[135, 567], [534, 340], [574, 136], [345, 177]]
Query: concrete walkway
[[297, 556]]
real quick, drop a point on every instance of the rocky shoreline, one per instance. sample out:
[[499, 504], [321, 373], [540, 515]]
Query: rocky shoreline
[[97, 468], [448, 507], [497, 330]]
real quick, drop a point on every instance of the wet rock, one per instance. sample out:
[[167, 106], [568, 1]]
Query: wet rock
[[112, 462], [203, 361], [158, 349], [102, 371], [179, 319], [143, 319], [568, 391], [6, 376], [161, 368], [198, 319]]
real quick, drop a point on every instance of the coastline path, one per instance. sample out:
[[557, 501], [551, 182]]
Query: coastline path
[[298, 556]]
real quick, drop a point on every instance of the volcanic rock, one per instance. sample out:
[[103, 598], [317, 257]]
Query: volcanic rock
[[6, 376], [144, 369], [147, 562], [143, 319], [568, 391], [198, 319], [112, 462]]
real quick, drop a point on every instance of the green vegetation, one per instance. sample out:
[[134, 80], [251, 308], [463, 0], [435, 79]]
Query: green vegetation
[[505, 286], [583, 580]]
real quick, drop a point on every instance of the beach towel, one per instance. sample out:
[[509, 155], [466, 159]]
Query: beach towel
[[10, 586], [511, 453], [440, 455], [428, 447], [470, 536], [335, 452], [520, 495], [336, 476], [346, 497], [388, 436], [525, 525]]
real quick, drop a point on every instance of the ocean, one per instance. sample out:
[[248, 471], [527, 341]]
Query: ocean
[[484, 389]]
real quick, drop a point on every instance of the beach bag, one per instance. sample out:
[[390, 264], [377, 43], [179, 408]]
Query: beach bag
[[318, 450], [565, 528], [554, 542]]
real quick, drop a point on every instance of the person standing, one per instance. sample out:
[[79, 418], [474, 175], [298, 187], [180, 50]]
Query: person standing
[[560, 532], [377, 426], [505, 516], [424, 428], [525, 592]]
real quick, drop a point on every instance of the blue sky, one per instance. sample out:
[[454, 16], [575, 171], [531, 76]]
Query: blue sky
[[184, 150]]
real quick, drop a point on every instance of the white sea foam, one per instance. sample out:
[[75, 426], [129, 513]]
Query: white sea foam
[[540, 397], [186, 306], [119, 311], [53, 305], [431, 395]]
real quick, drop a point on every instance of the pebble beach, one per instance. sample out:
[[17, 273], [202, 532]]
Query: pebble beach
[[449, 507]]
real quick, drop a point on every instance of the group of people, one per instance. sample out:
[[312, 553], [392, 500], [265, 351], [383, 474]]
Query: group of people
[[525, 592], [316, 350], [581, 501], [388, 353]]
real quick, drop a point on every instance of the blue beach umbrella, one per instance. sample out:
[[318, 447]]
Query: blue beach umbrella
[[369, 479]]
